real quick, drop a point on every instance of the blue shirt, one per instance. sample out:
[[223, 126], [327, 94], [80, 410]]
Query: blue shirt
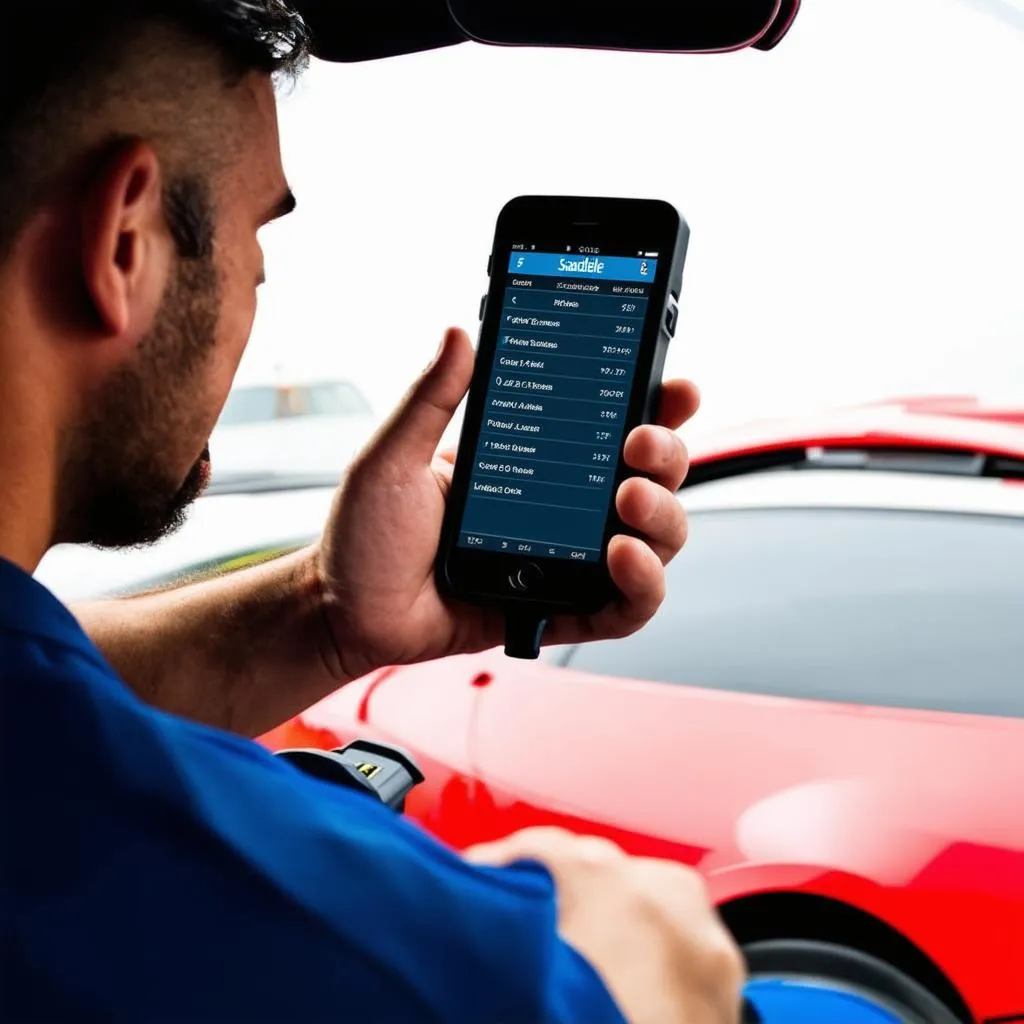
[[158, 870]]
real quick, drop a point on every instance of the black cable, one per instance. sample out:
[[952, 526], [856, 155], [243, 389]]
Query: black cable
[[523, 631]]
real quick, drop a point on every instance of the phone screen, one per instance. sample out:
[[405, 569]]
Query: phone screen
[[544, 468]]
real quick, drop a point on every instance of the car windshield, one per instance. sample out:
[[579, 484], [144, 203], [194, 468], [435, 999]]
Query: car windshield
[[334, 400], [854, 196], [910, 609], [249, 405]]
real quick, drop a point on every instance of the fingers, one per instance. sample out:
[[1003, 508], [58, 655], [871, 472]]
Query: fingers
[[648, 927], [640, 577], [680, 399], [638, 573], [546, 844], [413, 432], [649, 506], [710, 951], [443, 471], [658, 453], [654, 512]]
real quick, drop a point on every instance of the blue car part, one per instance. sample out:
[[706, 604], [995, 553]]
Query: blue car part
[[798, 1001]]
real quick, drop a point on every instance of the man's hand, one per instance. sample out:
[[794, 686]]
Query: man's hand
[[646, 926], [376, 559]]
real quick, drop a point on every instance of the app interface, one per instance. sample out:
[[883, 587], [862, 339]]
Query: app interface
[[571, 322]]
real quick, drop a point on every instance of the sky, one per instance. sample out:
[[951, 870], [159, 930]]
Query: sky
[[856, 202]]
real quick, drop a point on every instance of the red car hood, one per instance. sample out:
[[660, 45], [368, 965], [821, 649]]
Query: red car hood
[[877, 792], [970, 429]]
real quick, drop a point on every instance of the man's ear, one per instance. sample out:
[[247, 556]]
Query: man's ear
[[126, 248]]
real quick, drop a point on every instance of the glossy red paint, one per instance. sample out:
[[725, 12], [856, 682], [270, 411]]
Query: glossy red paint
[[761, 794], [434, 722], [960, 405], [860, 801], [950, 424], [912, 817]]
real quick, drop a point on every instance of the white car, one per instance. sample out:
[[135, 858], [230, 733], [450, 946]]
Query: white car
[[311, 427]]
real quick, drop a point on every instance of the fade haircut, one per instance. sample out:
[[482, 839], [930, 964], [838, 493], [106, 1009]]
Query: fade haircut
[[105, 70]]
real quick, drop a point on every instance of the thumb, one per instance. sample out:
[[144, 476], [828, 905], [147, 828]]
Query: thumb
[[416, 426]]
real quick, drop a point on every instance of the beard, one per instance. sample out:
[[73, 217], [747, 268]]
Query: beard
[[123, 483]]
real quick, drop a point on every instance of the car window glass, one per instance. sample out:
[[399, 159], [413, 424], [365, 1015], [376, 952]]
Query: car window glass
[[335, 399], [249, 405], [917, 610]]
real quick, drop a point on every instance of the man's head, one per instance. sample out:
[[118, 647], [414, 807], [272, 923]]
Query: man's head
[[139, 157]]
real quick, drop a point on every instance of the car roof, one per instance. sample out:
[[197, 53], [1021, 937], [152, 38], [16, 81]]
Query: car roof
[[947, 423]]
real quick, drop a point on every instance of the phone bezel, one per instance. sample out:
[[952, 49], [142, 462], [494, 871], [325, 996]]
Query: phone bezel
[[613, 225]]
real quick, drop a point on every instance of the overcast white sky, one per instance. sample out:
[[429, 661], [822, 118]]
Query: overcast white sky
[[856, 199]]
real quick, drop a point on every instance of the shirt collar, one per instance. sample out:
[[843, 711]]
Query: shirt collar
[[26, 606]]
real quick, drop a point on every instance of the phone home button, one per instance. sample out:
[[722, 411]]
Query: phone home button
[[528, 574]]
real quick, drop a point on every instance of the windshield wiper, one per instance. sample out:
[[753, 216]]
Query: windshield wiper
[[897, 460], [890, 460]]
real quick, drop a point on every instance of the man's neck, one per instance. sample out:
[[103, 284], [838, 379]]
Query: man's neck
[[25, 526], [28, 467]]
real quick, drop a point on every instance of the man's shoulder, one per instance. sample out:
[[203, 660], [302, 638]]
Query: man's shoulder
[[51, 687], [82, 743], [131, 822], [139, 839]]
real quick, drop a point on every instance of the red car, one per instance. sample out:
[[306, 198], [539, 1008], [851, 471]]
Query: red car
[[826, 717]]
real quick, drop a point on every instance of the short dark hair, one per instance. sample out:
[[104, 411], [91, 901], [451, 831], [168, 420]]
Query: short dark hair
[[71, 42]]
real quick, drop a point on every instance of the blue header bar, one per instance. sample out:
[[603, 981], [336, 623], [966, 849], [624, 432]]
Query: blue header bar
[[567, 264]]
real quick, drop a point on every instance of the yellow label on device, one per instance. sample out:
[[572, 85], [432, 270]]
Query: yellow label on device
[[367, 768]]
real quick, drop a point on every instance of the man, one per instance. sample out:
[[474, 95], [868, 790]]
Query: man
[[157, 866]]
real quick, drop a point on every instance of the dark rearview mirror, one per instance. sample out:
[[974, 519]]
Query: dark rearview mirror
[[344, 30], [667, 26]]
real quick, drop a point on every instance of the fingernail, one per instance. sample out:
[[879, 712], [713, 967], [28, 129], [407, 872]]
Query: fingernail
[[437, 355], [668, 444]]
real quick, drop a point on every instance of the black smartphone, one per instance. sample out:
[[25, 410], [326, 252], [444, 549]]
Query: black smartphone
[[575, 327]]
